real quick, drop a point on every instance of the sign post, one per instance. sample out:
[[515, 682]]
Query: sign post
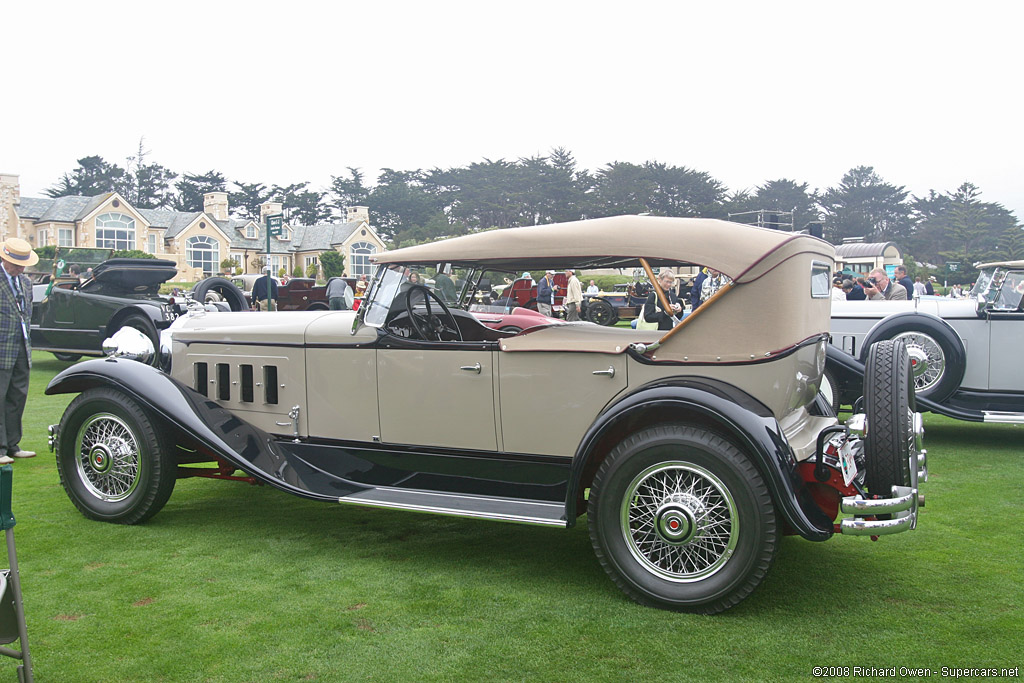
[[275, 223]]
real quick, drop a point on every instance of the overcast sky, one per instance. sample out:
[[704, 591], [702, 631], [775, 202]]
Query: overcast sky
[[928, 93]]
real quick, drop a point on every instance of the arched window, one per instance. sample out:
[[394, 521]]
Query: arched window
[[115, 231], [203, 252], [361, 265]]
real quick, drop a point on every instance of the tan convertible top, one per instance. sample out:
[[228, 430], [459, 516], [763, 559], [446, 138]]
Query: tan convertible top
[[741, 251]]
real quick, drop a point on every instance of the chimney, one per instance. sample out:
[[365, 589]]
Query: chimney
[[357, 214], [10, 197], [269, 209], [216, 204]]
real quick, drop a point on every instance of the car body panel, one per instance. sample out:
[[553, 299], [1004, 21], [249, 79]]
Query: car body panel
[[549, 399]]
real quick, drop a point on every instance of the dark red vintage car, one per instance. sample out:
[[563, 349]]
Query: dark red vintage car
[[304, 294]]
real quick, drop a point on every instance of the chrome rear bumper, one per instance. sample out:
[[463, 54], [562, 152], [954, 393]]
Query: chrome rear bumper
[[902, 506]]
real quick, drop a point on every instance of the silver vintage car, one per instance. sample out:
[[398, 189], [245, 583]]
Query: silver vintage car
[[690, 450], [964, 353]]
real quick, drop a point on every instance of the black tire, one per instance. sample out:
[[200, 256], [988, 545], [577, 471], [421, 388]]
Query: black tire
[[888, 408], [223, 288], [601, 312], [318, 306], [937, 356], [67, 357], [112, 460], [649, 511]]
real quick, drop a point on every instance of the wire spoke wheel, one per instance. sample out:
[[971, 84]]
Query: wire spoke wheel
[[679, 521], [927, 359], [108, 457], [112, 459]]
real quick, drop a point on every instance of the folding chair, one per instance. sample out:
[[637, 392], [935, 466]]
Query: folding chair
[[12, 611]]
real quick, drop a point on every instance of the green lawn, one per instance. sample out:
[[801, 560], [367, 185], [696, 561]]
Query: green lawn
[[238, 583]]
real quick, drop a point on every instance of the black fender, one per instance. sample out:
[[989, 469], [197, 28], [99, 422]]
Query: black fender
[[153, 313], [937, 328], [202, 422], [744, 419]]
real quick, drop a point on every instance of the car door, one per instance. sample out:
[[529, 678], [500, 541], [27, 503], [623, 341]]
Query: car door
[[550, 399], [1006, 329], [431, 396]]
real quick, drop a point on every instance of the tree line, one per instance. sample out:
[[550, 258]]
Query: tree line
[[412, 206]]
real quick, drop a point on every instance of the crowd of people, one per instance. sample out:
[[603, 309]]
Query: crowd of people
[[878, 286]]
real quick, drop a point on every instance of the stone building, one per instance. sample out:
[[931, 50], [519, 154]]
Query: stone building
[[197, 241], [857, 256]]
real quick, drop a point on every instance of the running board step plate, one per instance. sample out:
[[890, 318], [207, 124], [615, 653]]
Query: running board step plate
[[1003, 417], [459, 505]]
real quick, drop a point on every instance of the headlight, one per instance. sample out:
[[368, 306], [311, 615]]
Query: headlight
[[130, 343]]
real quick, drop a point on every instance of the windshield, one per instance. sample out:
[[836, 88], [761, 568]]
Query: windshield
[[999, 288], [382, 293], [1011, 290]]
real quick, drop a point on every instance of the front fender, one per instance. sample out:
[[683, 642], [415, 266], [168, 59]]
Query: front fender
[[206, 425], [743, 418]]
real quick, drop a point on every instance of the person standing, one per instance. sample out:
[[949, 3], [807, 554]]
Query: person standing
[[904, 280], [593, 289], [15, 344], [263, 290], [546, 293], [573, 296], [445, 287], [338, 294]]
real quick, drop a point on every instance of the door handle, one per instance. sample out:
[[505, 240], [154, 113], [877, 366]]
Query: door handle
[[471, 368], [610, 371]]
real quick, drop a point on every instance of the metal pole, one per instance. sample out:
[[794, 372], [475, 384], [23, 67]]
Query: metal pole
[[12, 556], [269, 273]]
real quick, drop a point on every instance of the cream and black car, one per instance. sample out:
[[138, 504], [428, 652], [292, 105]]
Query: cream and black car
[[690, 451]]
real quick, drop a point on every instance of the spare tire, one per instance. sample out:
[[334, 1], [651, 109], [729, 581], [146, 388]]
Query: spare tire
[[890, 439], [937, 355], [223, 288]]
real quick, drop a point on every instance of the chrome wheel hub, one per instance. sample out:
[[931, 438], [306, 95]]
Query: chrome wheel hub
[[927, 361], [107, 457], [679, 521]]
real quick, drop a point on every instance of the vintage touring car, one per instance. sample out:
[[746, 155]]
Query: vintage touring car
[[964, 353], [690, 451]]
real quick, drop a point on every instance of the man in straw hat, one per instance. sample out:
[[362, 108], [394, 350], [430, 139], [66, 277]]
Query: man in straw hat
[[15, 344]]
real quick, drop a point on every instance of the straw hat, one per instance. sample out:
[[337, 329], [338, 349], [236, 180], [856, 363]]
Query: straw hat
[[18, 252]]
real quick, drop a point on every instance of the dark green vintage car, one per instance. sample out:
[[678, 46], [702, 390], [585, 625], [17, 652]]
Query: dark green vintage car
[[72, 318]]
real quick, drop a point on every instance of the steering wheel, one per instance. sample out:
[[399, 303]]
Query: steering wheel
[[430, 326]]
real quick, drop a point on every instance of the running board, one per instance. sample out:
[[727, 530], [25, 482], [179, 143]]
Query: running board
[[461, 505], [1002, 417]]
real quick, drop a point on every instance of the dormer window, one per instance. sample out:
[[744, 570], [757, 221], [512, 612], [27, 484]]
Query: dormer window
[[250, 232], [115, 231], [286, 235]]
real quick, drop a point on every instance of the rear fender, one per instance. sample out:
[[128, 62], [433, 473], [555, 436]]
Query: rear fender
[[198, 421], [742, 418], [152, 313]]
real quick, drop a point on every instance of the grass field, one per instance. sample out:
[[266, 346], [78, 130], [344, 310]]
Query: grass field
[[238, 583]]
